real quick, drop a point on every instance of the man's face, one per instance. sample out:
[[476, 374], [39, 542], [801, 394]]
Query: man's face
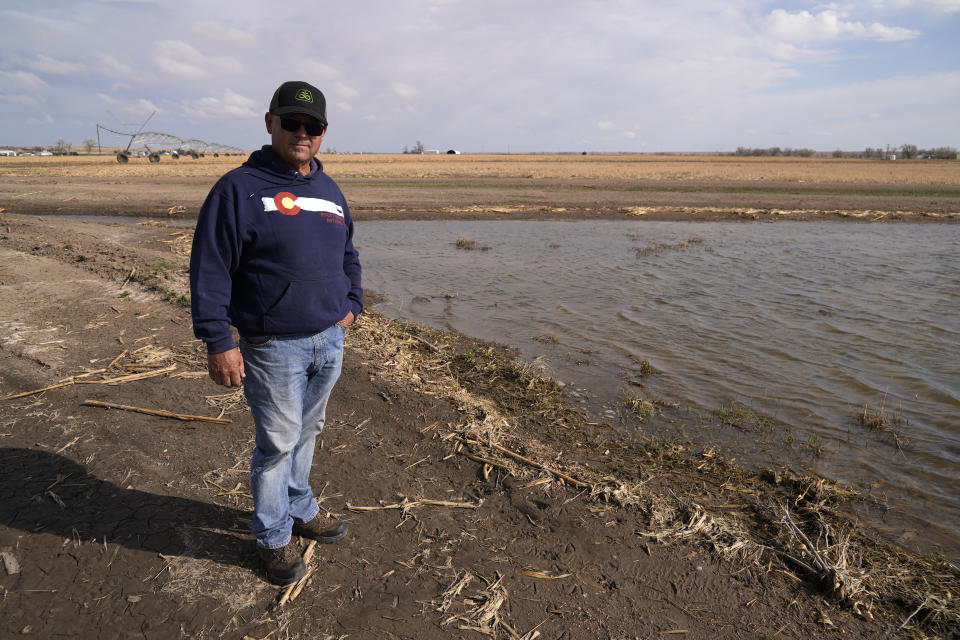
[[295, 148]]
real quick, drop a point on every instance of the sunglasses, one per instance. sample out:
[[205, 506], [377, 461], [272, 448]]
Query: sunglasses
[[293, 125]]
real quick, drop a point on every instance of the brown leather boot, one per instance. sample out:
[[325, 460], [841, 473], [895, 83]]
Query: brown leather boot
[[284, 565], [322, 529]]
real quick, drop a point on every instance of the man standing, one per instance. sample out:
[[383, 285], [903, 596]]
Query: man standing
[[273, 255]]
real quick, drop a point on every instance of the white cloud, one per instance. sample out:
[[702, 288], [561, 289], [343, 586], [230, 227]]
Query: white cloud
[[113, 66], [227, 104], [405, 91], [46, 64], [29, 101], [319, 71], [142, 107], [541, 76], [218, 32], [23, 79], [47, 119], [35, 19], [183, 60], [829, 24], [344, 91], [944, 6]]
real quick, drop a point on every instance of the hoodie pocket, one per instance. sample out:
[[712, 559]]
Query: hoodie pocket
[[308, 305]]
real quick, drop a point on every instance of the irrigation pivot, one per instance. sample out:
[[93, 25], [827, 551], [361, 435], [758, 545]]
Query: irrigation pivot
[[155, 142]]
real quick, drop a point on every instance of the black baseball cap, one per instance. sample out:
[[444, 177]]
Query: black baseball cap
[[299, 97]]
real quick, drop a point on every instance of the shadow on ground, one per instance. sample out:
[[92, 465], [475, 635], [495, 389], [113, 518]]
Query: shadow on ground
[[42, 492]]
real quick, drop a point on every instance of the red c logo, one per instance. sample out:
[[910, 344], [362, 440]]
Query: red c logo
[[286, 203]]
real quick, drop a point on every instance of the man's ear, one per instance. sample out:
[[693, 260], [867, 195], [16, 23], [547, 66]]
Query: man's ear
[[269, 121]]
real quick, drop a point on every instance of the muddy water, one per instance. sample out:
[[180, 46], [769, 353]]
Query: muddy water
[[806, 322]]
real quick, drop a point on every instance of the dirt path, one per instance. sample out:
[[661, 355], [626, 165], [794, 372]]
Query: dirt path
[[120, 524]]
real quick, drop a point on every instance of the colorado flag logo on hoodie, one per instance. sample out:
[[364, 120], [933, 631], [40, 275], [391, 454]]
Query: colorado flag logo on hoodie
[[290, 205]]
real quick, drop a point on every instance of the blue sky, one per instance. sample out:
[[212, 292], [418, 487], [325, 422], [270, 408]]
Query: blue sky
[[491, 75]]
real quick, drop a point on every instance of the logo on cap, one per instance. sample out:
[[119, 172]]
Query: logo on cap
[[304, 95]]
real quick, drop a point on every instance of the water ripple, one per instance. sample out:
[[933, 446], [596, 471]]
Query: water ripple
[[809, 322]]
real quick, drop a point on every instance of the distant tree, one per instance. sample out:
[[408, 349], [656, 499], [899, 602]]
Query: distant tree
[[63, 147], [908, 151], [417, 148], [88, 144]]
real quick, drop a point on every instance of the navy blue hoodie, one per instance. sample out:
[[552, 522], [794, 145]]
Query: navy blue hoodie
[[272, 254]]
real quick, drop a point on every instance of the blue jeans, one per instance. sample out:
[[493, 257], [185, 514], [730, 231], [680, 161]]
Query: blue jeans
[[288, 382]]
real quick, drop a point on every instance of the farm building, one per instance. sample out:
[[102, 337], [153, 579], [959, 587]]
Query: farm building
[[7, 152]]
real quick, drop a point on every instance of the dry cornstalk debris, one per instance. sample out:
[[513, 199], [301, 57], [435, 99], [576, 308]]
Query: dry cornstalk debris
[[111, 381], [181, 243], [236, 491], [406, 505], [120, 357], [10, 563], [452, 592], [130, 275], [829, 564], [484, 613], [141, 363], [544, 575], [533, 463], [155, 412], [751, 212], [233, 402], [293, 590], [501, 398]]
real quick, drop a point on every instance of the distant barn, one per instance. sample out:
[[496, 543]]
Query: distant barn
[[453, 152]]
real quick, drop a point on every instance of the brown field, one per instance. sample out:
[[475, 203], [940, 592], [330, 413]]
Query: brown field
[[397, 186], [591, 167]]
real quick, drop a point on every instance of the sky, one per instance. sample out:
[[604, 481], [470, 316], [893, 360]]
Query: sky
[[490, 76]]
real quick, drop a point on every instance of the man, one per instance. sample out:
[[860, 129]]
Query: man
[[273, 255]]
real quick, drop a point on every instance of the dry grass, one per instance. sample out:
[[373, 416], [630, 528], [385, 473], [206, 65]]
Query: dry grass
[[881, 419], [624, 167], [470, 244]]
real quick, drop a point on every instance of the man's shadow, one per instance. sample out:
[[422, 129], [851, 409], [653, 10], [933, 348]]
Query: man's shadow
[[42, 492]]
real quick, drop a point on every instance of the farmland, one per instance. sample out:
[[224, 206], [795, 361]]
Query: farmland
[[661, 168], [518, 186]]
